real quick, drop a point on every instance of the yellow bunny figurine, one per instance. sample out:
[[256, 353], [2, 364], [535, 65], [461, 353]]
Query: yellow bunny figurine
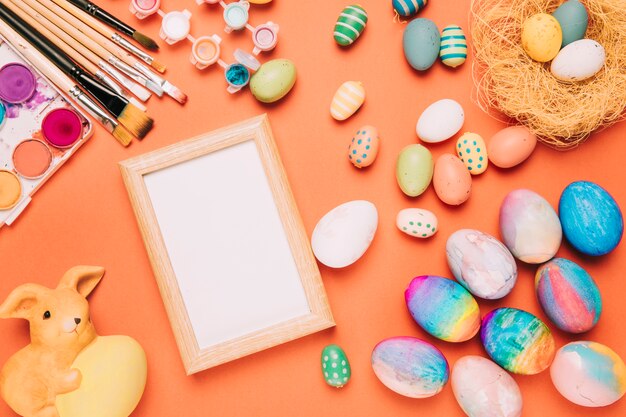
[[67, 370]]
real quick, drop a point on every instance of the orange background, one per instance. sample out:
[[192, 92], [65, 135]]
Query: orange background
[[83, 216]]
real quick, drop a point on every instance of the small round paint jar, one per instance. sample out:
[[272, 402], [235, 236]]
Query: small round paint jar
[[31, 158], [144, 8], [205, 51], [236, 15], [10, 189], [62, 128], [265, 37], [175, 26], [17, 83], [238, 74]]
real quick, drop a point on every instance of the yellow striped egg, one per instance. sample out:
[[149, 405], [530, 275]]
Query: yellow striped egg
[[453, 49], [347, 100]]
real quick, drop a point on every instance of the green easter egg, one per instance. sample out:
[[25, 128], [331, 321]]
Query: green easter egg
[[273, 80], [573, 18], [414, 169], [335, 366]]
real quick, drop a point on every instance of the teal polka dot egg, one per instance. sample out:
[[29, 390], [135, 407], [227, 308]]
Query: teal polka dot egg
[[363, 148], [471, 149]]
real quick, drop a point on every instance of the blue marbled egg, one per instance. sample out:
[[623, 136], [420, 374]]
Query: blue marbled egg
[[591, 219]]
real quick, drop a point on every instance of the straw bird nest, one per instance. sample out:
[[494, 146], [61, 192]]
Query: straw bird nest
[[509, 81]]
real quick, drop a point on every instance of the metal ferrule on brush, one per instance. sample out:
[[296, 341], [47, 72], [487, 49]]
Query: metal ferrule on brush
[[131, 48], [113, 86], [92, 108], [136, 75], [169, 88], [125, 82]]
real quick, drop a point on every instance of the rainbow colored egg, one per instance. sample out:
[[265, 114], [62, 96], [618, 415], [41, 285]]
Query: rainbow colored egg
[[517, 341], [350, 24], [453, 49], [568, 295], [589, 374], [410, 366], [407, 8], [363, 149], [443, 308]]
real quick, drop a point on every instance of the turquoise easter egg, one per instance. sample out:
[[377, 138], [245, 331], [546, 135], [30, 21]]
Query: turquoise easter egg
[[453, 49], [335, 366], [443, 308], [421, 42], [406, 8], [517, 341], [350, 24], [568, 295], [410, 366], [592, 221], [573, 18]]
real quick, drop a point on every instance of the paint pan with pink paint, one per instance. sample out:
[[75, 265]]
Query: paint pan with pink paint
[[40, 130]]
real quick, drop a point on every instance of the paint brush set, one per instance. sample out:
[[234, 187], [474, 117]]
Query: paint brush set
[[111, 78]]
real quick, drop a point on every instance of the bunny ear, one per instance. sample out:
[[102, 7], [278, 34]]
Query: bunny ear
[[82, 279], [20, 303]]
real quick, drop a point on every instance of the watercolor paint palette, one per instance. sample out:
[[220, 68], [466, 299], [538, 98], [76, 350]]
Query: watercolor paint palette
[[40, 130]]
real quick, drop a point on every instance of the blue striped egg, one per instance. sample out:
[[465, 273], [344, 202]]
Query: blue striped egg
[[453, 49], [406, 8], [591, 219]]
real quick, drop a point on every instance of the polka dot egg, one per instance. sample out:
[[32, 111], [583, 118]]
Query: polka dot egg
[[472, 151], [335, 366], [417, 222], [363, 149]]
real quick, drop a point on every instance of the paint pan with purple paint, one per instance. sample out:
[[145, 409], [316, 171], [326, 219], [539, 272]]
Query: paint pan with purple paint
[[40, 130]]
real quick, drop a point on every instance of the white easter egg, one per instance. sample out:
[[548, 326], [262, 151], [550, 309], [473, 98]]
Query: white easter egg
[[578, 61], [440, 121], [417, 222], [343, 235]]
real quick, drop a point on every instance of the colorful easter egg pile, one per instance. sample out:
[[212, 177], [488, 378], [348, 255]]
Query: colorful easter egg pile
[[335, 366], [350, 24], [517, 341], [347, 100], [568, 295], [443, 308], [453, 49], [417, 222], [407, 8], [411, 367], [482, 388], [589, 374], [363, 149], [481, 263]]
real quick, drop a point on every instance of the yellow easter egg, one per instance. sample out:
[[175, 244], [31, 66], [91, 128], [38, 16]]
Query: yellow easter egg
[[114, 371], [259, 1], [472, 151], [542, 37], [347, 100]]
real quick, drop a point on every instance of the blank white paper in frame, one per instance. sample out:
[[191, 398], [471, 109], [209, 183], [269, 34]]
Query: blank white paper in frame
[[228, 228]]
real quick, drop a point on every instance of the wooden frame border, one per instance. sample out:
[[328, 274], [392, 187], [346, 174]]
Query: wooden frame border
[[320, 316]]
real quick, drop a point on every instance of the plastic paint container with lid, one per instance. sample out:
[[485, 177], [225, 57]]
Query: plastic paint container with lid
[[32, 158], [236, 15], [205, 51], [265, 37], [62, 128], [175, 26], [17, 83], [238, 74], [10, 189], [144, 8]]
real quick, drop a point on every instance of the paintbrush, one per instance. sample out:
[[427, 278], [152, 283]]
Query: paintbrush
[[82, 37], [94, 37], [63, 83], [115, 23], [108, 33], [78, 52], [136, 121]]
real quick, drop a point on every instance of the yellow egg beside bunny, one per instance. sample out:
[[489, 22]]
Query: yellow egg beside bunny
[[66, 355]]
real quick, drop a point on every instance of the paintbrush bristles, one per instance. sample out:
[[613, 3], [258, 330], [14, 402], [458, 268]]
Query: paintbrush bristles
[[159, 66], [136, 121], [145, 41], [122, 135]]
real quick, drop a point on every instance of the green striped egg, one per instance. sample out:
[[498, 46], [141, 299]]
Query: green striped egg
[[350, 24], [453, 49]]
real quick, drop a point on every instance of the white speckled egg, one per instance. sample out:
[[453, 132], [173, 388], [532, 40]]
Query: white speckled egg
[[440, 121], [578, 61], [364, 147], [472, 151], [343, 235], [417, 222]]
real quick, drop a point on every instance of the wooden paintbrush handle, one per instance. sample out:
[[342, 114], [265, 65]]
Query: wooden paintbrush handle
[[103, 16]]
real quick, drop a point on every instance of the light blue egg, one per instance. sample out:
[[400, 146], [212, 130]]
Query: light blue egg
[[421, 43], [591, 219], [573, 18]]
